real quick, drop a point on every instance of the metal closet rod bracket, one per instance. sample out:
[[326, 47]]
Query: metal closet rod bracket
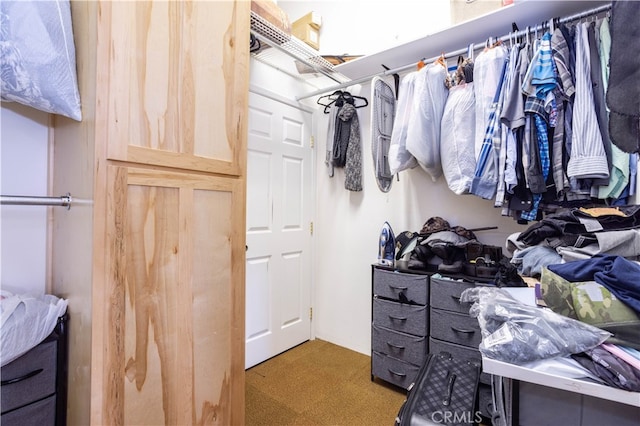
[[23, 200]]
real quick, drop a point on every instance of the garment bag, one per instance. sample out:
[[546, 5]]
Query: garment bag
[[423, 134]]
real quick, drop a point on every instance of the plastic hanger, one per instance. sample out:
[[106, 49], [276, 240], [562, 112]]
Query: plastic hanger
[[254, 44], [353, 100], [339, 97], [332, 98], [396, 79]]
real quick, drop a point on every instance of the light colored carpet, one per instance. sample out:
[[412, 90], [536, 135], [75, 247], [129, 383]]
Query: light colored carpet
[[319, 383]]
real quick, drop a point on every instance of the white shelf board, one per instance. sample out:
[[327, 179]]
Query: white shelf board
[[512, 371], [494, 24]]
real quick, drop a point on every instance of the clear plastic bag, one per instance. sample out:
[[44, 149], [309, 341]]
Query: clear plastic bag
[[517, 333], [399, 157], [38, 64]]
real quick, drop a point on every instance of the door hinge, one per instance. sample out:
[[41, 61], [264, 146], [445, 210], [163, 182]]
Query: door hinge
[[312, 142], [310, 313], [311, 228]]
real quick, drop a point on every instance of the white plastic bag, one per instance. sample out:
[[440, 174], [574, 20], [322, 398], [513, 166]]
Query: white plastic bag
[[423, 131], [26, 320], [399, 158], [457, 138], [38, 66]]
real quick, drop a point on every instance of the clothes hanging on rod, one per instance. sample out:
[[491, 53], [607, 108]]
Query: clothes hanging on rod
[[458, 129], [541, 120], [423, 128], [452, 54], [623, 99], [399, 157], [344, 146]]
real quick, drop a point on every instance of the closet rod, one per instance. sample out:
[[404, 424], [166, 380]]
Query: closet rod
[[20, 200], [476, 46]]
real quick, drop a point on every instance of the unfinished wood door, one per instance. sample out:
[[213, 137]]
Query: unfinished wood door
[[177, 74], [173, 317]]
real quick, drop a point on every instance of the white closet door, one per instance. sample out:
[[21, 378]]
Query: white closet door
[[279, 191]]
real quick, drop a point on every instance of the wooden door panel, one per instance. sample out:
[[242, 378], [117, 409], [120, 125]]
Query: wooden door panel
[[178, 83], [175, 320]]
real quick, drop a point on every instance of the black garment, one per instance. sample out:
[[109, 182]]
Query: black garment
[[555, 225], [534, 171], [597, 87], [623, 92], [613, 222], [614, 371], [568, 34], [567, 226], [507, 275], [521, 199]]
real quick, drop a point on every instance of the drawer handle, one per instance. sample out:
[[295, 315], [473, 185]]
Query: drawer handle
[[21, 378], [398, 288], [395, 346], [396, 373], [456, 298], [458, 330], [398, 318]]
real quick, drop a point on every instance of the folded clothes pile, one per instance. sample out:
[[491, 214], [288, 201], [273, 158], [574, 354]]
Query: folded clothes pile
[[455, 250]]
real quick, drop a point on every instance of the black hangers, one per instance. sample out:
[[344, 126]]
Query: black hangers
[[339, 97], [332, 98], [353, 100], [254, 44]]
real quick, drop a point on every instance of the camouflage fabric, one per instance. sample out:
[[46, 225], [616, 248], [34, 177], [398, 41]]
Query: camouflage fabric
[[434, 224], [556, 293], [595, 305]]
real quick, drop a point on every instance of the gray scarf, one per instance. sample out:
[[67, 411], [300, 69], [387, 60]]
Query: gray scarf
[[347, 149]]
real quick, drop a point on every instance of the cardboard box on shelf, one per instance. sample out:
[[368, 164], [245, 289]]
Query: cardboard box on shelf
[[312, 18], [270, 11], [308, 34]]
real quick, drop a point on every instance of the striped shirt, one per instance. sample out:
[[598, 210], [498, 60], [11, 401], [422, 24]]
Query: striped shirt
[[561, 59], [588, 157]]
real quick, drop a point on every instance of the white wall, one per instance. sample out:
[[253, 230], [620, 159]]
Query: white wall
[[348, 226], [362, 27], [24, 171]]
